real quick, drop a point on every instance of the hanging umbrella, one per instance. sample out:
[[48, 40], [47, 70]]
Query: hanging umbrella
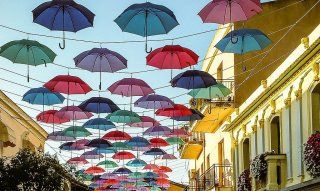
[[76, 131], [99, 143], [140, 184], [42, 96], [80, 144], [124, 116], [172, 57], [107, 164], [163, 182], [157, 131], [145, 122], [122, 171], [99, 123], [116, 136], [242, 41], [147, 19], [91, 155], [164, 169], [162, 175], [105, 150], [178, 133], [155, 151], [66, 146], [121, 146], [138, 142], [28, 52], [99, 105], [59, 136], [196, 115], [123, 155], [158, 142], [151, 167], [109, 176], [175, 140], [154, 101], [100, 60], [229, 11], [215, 91], [178, 110], [136, 163], [94, 170], [130, 87], [73, 113], [63, 15], [51, 117], [192, 79], [150, 175], [77, 161], [136, 175]]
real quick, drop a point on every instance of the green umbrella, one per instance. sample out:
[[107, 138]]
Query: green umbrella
[[121, 146], [108, 164], [175, 140], [140, 184], [27, 52], [76, 131], [124, 116], [154, 188], [215, 91], [136, 175]]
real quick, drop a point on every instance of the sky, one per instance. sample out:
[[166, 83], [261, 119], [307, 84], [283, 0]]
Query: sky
[[17, 14]]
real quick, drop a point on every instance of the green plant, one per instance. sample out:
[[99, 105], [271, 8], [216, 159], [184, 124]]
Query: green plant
[[244, 181], [312, 156], [258, 167]]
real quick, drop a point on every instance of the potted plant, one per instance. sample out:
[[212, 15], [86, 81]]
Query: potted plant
[[244, 181], [312, 156]]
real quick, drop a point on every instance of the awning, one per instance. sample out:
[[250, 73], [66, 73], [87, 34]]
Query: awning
[[191, 150], [7, 136]]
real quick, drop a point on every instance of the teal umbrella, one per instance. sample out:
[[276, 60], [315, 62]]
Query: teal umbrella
[[215, 91], [124, 116], [108, 164], [76, 131], [136, 175], [121, 146], [28, 52], [136, 163], [175, 140]]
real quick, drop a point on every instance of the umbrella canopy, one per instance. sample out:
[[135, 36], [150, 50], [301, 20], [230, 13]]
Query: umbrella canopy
[[66, 146], [242, 41], [116, 136], [80, 144], [158, 142], [157, 131], [192, 79], [99, 143], [94, 170], [145, 122], [77, 161], [73, 113], [150, 175], [215, 91], [172, 57], [155, 151], [175, 140], [136, 175], [122, 170], [28, 52], [226, 11], [179, 133], [91, 155], [108, 164], [130, 87], [51, 117], [178, 110], [151, 167], [99, 105], [121, 146], [76, 131], [196, 115], [99, 123], [123, 155], [105, 150], [59, 136], [168, 157], [109, 176], [154, 101], [138, 142], [136, 163], [42, 96], [164, 169], [67, 84], [124, 116]]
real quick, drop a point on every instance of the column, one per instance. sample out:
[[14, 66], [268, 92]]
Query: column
[[299, 134], [261, 123], [286, 124], [254, 149]]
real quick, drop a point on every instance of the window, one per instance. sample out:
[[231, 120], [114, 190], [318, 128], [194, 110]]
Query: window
[[315, 103], [246, 153], [275, 135]]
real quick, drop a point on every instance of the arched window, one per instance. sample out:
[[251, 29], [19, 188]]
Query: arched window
[[246, 153], [275, 135], [315, 103]]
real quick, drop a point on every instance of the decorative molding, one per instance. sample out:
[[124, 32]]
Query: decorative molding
[[315, 69], [244, 130], [273, 106], [287, 101], [305, 42], [261, 123], [237, 111], [264, 84]]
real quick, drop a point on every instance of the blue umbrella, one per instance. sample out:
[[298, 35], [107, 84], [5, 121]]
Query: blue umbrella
[[99, 123], [193, 79], [136, 163], [243, 40], [138, 142], [122, 170], [42, 96], [99, 105], [99, 143], [155, 151], [105, 150], [147, 19], [150, 175], [63, 15]]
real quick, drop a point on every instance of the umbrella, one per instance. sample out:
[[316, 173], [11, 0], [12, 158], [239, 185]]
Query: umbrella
[[136, 175], [76, 131], [178, 133], [66, 146], [145, 122], [116, 136], [168, 157], [99, 105], [91, 155], [124, 116], [154, 101], [155, 151], [51, 117], [150, 175], [121, 146], [42, 96], [80, 144], [94, 170], [122, 170], [107, 164], [163, 182], [157, 131], [99, 143], [122, 155], [147, 19], [130, 87], [138, 142], [164, 169], [196, 115], [109, 176], [192, 79], [224, 11], [242, 41], [99, 123], [59, 136], [63, 15], [215, 91], [105, 150], [162, 175], [178, 110], [172, 57], [73, 113], [175, 140], [100, 60], [77, 160], [158, 142], [151, 167], [28, 52], [136, 163]]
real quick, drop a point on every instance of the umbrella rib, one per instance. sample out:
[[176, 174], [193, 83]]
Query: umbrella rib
[[34, 59], [54, 18], [129, 20], [71, 19], [14, 60], [94, 64]]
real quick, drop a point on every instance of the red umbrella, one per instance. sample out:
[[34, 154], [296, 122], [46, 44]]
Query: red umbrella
[[112, 181], [51, 117], [162, 175], [172, 57], [123, 155], [163, 181], [178, 110], [130, 87], [151, 167], [117, 136], [94, 170], [178, 133], [77, 160], [163, 169], [158, 142], [73, 113], [145, 122]]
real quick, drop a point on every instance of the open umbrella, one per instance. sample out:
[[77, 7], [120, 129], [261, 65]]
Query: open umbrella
[[59, 136], [80, 144], [136, 175], [150, 175], [63, 15], [147, 19], [76, 131], [108, 164], [100, 60], [136, 163], [155, 152], [178, 110], [130, 87], [42, 96], [145, 122], [99, 143], [151, 167], [99, 105], [28, 52], [124, 116], [175, 140], [99, 123], [123, 155], [122, 171], [154, 101], [91, 155], [157, 131], [73, 113], [242, 41], [168, 157], [121, 146], [158, 142], [215, 91], [109, 175], [138, 142], [229, 11], [50, 116], [116, 136], [178, 133], [192, 79], [77, 161], [105, 151], [66, 146], [94, 170], [196, 115], [164, 169]]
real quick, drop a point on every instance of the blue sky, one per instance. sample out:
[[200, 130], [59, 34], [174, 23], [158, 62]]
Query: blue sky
[[17, 14]]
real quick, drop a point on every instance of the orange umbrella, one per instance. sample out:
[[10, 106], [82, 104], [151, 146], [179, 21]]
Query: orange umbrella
[[94, 170]]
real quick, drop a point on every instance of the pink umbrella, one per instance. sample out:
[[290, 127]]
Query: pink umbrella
[[178, 133], [229, 11], [77, 160], [168, 157], [80, 144], [130, 87], [145, 122], [73, 113]]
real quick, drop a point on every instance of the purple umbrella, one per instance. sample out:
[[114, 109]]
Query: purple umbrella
[[100, 60], [99, 105], [157, 131], [59, 136], [109, 176], [91, 155], [130, 87], [168, 157], [154, 101]]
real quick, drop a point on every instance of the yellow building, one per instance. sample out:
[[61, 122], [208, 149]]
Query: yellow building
[[17, 129], [274, 106]]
